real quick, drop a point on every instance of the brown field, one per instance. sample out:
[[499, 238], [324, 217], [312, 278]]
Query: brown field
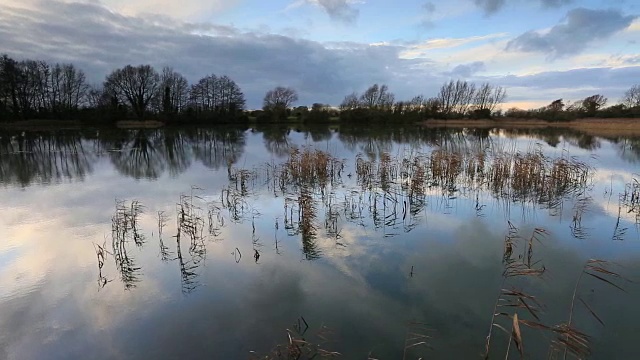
[[596, 127]]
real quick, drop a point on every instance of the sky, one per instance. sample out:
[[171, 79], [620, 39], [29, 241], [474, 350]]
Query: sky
[[539, 50]]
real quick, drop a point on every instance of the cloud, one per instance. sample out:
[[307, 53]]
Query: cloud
[[493, 6], [555, 3], [323, 72], [420, 49], [339, 10], [467, 70], [429, 7], [571, 84], [429, 12], [490, 6], [580, 28], [183, 9]]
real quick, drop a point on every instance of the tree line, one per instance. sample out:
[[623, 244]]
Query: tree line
[[591, 106], [32, 89], [456, 99]]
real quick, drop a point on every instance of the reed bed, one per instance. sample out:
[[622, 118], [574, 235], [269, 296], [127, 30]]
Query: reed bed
[[518, 177], [308, 167]]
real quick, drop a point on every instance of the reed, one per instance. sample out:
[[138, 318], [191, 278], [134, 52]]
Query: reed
[[125, 228], [630, 198], [511, 300], [300, 346], [308, 167], [570, 341], [165, 253]]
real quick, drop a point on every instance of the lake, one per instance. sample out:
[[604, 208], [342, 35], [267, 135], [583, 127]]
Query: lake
[[387, 243]]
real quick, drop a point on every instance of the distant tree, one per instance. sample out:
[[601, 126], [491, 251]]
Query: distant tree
[[9, 77], [632, 97], [279, 99], [137, 86], [68, 89], [416, 104], [350, 102], [593, 103], [556, 106], [173, 92], [433, 106], [488, 97], [97, 97], [216, 95], [377, 98], [456, 97]]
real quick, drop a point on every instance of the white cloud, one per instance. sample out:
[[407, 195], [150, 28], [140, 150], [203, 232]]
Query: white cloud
[[423, 49], [183, 9]]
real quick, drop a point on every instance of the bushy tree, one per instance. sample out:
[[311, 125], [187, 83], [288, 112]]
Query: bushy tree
[[136, 86]]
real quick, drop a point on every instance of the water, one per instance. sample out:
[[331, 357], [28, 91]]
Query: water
[[346, 265]]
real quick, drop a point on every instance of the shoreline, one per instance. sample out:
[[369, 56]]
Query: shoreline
[[613, 127], [591, 126]]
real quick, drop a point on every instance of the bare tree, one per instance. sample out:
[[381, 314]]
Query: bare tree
[[219, 95], [279, 99], [137, 86], [9, 74], [488, 97], [68, 88], [556, 106], [97, 97], [593, 103], [350, 102], [378, 98], [416, 104], [632, 97], [173, 91], [456, 97]]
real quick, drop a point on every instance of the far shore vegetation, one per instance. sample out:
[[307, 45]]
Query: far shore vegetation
[[40, 94]]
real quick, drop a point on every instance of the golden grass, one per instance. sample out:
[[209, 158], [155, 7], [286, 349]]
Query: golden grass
[[597, 127]]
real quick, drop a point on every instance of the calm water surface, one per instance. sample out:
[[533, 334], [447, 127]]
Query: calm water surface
[[181, 244]]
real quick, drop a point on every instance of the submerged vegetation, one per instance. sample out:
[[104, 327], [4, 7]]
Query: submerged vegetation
[[320, 192]]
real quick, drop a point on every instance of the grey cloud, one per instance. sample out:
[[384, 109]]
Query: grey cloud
[[429, 11], [339, 10], [98, 41], [429, 7], [490, 6], [576, 84], [467, 70], [580, 28], [555, 3], [493, 6]]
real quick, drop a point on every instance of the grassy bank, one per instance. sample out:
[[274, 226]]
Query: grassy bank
[[592, 126]]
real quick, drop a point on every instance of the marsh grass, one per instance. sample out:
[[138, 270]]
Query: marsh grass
[[519, 177], [570, 341], [581, 206], [311, 168], [511, 299], [630, 199], [101, 254], [165, 252], [300, 345], [124, 229]]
